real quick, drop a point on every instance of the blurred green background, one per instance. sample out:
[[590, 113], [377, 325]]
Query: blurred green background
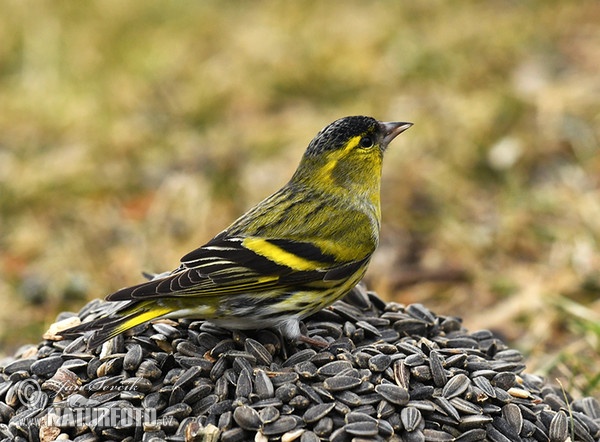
[[132, 132]]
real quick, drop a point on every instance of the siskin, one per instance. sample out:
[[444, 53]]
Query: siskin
[[296, 252]]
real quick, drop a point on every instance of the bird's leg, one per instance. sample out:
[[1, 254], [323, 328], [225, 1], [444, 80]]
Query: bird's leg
[[290, 328], [312, 341]]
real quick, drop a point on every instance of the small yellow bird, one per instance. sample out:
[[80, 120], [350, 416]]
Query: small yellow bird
[[296, 252]]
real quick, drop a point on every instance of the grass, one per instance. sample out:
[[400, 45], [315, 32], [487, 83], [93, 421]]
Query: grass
[[132, 132]]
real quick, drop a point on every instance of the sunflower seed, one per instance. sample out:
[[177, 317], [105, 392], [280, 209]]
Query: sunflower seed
[[166, 330], [110, 367], [456, 386], [333, 368], [512, 413], [503, 396], [309, 436], [357, 416], [446, 407], [280, 426], [590, 406], [220, 407], [226, 421], [411, 327], [580, 429], [339, 383], [154, 401], [324, 394], [306, 369], [247, 418], [426, 406], [259, 351], [393, 393], [401, 374], [496, 436], [286, 392], [292, 435], [504, 380], [346, 311], [411, 418], [414, 360], [232, 435], [465, 406], [263, 385], [519, 393], [244, 384], [196, 394], [133, 357], [385, 409], [462, 342], [368, 328], [270, 402], [323, 427], [456, 360], [474, 421], [418, 311], [317, 412], [432, 435], [178, 411], [18, 365], [269, 414], [77, 346], [309, 392], [379, 362], [283, 378], [505, 428], [509, 355], [422, 373], [47, 366], [74, 364], [437, 369], [485, 385], [472, 435], [364, 428], [202, 405], [351, 399], [369, 399], [148, 369], [301, 356], [221, 347], [299, 402]]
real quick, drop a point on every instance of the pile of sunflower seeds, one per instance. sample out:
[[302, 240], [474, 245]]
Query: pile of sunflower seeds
[[385, 371]]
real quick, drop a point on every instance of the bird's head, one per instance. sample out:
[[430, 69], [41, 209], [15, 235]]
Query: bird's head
[[348, 154]]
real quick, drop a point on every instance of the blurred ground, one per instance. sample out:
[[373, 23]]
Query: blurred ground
[[132, 132]]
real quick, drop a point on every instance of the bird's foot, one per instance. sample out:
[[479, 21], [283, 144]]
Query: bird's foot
[[321, 343]]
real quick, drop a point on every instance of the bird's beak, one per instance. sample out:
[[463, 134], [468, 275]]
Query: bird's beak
[[392, 130]]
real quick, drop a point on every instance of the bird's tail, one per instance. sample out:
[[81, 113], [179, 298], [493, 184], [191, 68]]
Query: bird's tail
[[113, 324]]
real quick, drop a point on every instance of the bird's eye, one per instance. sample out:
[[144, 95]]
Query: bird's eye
[[366, 142]]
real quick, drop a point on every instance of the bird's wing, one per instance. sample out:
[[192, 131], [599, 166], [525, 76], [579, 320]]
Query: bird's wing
[[238, 265]]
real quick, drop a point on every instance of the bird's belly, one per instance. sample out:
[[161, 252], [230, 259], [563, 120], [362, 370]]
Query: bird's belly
[[259, 310]]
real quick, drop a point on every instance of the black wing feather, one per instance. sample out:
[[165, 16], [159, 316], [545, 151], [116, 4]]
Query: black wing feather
[[225, 266]]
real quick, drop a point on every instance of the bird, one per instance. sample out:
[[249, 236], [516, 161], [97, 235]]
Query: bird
[[293, 254]]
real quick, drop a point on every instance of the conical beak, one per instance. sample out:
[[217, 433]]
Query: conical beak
[[392, 130]]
